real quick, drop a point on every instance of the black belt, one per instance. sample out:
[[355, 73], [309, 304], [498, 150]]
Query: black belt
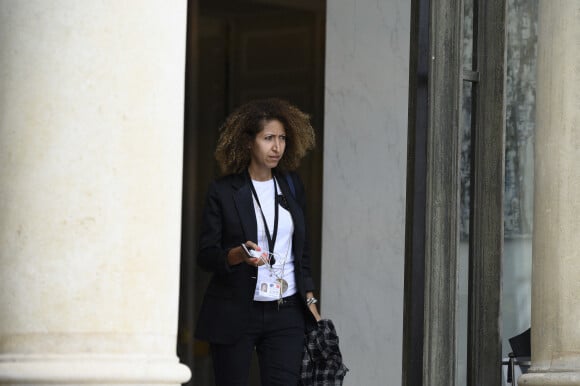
[[288, 300]]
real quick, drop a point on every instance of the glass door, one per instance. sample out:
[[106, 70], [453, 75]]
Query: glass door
[[522, 24]]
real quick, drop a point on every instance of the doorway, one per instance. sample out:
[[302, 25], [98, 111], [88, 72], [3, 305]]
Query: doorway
[[239, 50]]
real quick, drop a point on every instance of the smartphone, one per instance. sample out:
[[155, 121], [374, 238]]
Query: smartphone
[[253, 253], [250, 251]]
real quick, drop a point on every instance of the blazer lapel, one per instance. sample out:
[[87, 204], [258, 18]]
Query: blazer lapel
[[245, 207], [247, 214]]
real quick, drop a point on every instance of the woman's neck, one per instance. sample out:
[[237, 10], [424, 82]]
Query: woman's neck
[[260, 174]]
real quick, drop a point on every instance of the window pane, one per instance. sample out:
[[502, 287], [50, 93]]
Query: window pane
[[465, 176], [519, 168], [463, 253]]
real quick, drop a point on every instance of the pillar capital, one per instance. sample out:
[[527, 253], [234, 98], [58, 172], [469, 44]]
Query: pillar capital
[[550, 379], [96, 369]]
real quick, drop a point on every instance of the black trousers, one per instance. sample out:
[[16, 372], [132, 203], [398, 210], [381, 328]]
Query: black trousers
[[277, 334]]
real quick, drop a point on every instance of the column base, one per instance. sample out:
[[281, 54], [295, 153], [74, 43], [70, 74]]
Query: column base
[[91, 370], [571, 378]]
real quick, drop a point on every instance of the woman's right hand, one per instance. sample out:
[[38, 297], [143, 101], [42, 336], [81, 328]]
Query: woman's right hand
[[238, 255]]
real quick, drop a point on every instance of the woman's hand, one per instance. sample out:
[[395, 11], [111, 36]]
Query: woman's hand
[[237, 255], [313, 307]]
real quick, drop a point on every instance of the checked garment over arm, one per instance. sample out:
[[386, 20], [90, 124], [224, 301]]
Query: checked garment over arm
[[321, 360]]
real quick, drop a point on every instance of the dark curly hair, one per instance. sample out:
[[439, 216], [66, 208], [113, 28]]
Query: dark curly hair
[[241, 126]]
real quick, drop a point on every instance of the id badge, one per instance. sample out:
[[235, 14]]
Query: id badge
[[272, 289]]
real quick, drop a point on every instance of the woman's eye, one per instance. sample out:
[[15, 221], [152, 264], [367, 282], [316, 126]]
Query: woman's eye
[[271, 138]]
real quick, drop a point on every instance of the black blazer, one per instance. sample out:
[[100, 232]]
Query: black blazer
[[228, 220]]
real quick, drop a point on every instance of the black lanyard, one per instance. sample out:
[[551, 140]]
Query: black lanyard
[[271, 238]]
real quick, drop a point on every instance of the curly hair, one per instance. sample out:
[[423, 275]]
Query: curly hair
[[242, 126]]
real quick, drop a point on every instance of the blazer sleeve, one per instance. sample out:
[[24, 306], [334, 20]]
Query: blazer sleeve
[[305, 258], [212, 257]]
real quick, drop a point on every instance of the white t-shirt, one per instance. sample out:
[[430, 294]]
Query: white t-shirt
[[268, 286]]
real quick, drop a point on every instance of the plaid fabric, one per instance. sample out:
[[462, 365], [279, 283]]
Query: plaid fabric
[[321, 359]]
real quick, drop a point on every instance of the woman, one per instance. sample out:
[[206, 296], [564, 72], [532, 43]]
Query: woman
[[263, 302]]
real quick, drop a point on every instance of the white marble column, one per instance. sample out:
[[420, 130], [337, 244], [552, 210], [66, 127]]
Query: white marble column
[[91, 107], [556, 244]]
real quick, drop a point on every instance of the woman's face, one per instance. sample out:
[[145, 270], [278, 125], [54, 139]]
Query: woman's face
[[268, 146]]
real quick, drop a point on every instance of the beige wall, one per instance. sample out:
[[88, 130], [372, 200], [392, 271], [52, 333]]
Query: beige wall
[[365, 142]]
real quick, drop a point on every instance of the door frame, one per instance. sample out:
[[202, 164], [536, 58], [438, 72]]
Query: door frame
[[431, 270]]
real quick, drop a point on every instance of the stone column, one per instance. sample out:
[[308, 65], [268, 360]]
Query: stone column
[[556, 246], [91, 107]]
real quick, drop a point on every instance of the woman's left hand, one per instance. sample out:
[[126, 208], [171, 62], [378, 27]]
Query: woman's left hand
[[314, 311], [313, 307]]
